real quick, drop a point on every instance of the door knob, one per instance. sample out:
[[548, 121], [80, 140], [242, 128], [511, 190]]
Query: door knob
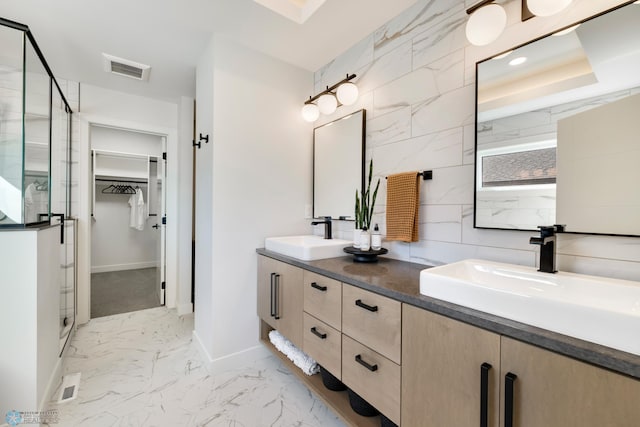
[[156, 226]]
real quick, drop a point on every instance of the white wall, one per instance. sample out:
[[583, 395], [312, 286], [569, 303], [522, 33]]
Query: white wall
[[416, 76], [114, 245], [110, 108], [260, 159], [29, 322]]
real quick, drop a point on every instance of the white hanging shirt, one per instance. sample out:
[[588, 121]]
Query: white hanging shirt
[[137, 213]]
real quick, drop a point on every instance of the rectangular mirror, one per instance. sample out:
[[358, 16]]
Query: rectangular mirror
[[557, 130], [338, 166]]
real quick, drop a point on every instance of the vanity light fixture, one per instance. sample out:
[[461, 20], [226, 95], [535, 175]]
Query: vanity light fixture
[[488, 20], [547, 7], [326, 102]]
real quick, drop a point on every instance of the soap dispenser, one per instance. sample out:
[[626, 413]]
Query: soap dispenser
[[365, 240], [376, 239]]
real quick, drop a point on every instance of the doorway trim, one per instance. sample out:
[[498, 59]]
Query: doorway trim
[[84, 208]]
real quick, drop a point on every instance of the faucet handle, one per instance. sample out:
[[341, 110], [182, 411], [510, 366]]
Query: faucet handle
[[327, 218], [560, 228], [547, 230]]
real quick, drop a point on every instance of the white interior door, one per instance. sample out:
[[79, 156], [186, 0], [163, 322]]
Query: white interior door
[[162, 219]]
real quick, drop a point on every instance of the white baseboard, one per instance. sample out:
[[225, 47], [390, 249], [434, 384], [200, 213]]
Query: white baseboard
[[122, 267], [231, 361], [53, 383], [183, 309]]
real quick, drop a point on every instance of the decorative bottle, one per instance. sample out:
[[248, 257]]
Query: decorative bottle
[[376, 239], [365, 240]]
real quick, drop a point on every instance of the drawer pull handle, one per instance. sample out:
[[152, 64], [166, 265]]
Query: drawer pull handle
[[509, 381], [318, 287], [272, 297], [372, 368], [320, 335], [484, 394], [359, 303], [277, 296]]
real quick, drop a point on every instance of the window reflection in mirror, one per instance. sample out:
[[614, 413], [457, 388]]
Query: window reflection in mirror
[[520, 106], [338, 165]]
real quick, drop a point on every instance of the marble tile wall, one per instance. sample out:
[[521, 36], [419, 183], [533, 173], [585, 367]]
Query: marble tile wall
[[416, 76]]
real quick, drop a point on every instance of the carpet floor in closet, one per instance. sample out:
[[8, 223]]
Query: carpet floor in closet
[[125, 291]]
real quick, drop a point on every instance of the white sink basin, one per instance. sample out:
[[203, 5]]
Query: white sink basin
[[307, 248], [601, 310]]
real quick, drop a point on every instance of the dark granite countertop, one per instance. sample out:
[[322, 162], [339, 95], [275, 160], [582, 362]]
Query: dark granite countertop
[[400, 280]]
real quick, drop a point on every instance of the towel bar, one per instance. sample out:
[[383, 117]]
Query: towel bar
[[424, 174]]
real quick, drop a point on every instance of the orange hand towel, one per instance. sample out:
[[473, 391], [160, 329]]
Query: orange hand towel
[[403, 203]]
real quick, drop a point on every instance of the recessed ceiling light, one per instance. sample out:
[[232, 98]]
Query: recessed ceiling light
[[517, 61], [566, 30], [504, 55]]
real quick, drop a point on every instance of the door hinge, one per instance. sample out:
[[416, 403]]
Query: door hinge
[[164, 156], [164, 220], [164, 285]]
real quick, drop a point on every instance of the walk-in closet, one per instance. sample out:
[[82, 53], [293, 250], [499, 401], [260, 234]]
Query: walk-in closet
[[127, 231]]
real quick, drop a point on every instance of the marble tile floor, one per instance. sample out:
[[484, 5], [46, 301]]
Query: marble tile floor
[[142, 369]]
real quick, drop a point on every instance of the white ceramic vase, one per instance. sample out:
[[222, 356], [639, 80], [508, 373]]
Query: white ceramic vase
[[357, 235]]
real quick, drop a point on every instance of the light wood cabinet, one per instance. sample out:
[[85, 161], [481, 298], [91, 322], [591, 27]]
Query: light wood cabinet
[[443, 364], [324, 344], [424, 369], [374, 377], [280, 297], [323, 298], [373, 320], [551, 390]]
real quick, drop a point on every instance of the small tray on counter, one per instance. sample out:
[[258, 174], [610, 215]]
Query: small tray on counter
[[365, 256]]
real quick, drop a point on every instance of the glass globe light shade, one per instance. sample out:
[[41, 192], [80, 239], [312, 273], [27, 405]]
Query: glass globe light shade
[[547, 7], [347, 93], [486, 24], [327, 103], [310, 112]]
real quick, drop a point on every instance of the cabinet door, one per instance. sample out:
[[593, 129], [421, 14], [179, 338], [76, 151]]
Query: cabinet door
[[442, 371], [373, 320], [374, 377], [266, 290], [324, 344], [551, 390], [280, 297], [323, 299]]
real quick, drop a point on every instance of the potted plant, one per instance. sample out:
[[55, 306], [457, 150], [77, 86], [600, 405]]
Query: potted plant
[[364, 208]]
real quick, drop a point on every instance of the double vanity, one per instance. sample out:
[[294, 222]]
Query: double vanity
[[465, 344]]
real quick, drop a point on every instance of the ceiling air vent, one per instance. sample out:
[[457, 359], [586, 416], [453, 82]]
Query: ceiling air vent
[[125, 67]]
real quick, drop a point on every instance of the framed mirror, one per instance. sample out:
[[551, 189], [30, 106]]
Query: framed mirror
[[557, 130], [338, 166]]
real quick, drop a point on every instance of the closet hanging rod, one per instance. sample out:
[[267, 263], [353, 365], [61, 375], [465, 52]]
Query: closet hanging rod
[[124, 181], [426, 175]]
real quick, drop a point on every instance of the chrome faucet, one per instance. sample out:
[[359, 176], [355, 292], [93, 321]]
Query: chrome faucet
[[327, 226], [547, 242]]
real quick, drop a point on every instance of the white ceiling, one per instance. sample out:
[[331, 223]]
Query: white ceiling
[[170, 35]]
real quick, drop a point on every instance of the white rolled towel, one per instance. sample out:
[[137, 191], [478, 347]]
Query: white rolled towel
[[299, 358]]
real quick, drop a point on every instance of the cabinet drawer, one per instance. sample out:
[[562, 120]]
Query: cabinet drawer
[[323, 298], [378, 384], [324, 344], [373, 320]]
